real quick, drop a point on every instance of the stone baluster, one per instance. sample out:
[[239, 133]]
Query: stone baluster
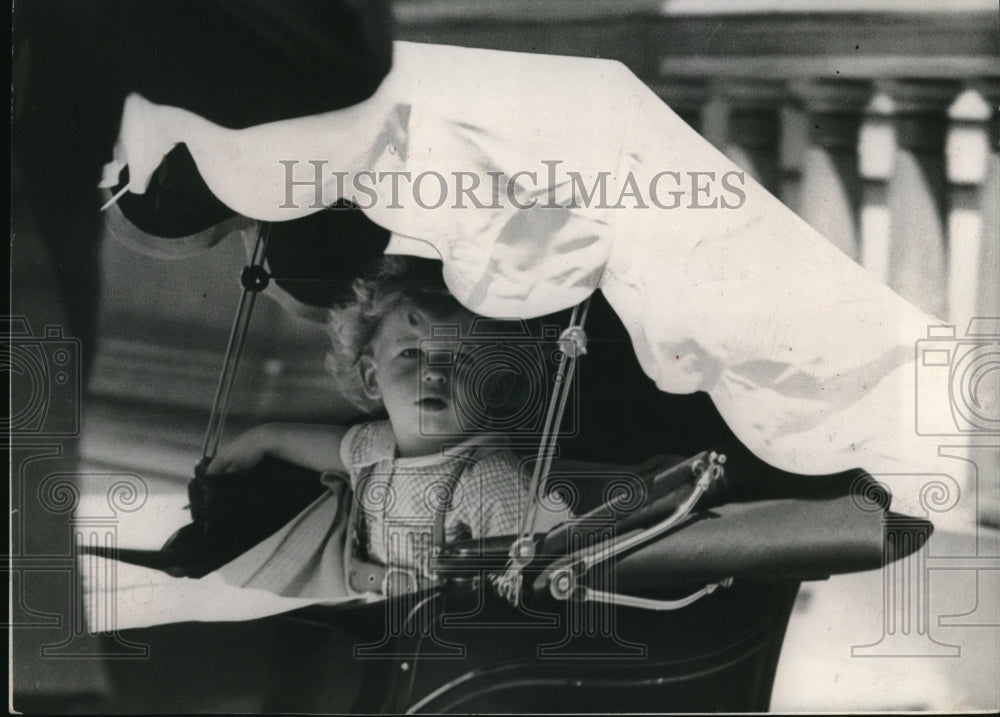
[[753, 137], [831, 182], [968, 157], [794, 142], [988, 296], [876, 156], [918, 191]]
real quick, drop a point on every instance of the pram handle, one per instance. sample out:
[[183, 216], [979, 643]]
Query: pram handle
[[764, 524], [666, 500], [563, 578], [660, 495]]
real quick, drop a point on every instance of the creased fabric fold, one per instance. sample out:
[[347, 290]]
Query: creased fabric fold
[[722, 288]]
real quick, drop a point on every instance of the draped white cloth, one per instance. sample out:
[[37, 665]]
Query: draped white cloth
[[809, 359], [120, 596], [301, 564]]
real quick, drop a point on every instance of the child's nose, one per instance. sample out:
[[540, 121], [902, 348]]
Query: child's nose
[[435, 374]]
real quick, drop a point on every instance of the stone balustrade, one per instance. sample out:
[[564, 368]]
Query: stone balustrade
[[875, 121]]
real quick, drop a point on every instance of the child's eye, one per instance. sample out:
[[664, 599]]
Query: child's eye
[[410, 353]]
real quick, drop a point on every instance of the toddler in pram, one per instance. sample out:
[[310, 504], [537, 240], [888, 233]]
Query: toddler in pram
[[428, 467]]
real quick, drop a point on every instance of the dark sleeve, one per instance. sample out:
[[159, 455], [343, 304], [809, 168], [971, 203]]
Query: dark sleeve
[[238, 63], [245, 63]]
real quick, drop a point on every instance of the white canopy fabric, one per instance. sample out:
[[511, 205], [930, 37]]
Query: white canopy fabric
[[722, 288]]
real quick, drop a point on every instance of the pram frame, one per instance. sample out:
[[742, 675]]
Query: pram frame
[[491, 665]]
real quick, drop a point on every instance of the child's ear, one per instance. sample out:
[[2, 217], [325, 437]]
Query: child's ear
[[369, 378]]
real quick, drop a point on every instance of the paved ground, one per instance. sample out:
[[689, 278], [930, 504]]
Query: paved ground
[[952, 665]]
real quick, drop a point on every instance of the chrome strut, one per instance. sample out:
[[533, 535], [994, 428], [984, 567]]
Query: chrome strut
[[254, 279], [564, 579], [572, 344]]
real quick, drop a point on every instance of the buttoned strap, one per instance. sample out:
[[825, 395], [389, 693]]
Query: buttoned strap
[[364, 573]]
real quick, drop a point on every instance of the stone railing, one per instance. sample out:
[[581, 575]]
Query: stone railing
[[876, 121]]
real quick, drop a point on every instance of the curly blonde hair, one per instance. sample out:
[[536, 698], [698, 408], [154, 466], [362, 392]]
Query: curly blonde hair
[[352, 326]]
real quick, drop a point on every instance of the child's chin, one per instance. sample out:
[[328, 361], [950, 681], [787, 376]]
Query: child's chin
[[440, 425]]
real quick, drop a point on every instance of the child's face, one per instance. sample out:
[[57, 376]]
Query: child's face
[[418, 396]]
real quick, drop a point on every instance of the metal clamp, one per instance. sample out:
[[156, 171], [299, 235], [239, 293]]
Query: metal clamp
[[508, 585], [413, 581], [573, 341]]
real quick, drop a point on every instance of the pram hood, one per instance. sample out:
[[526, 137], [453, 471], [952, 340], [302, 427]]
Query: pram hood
[[722, 288]]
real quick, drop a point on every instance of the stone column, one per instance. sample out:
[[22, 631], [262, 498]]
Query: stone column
[[753, 137], [794, 143], [876, 157], [831, 182], [918, 191], [988, 295], [972, 269]]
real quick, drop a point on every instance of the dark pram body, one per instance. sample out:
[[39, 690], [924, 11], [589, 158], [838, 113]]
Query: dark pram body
[[460, 647]]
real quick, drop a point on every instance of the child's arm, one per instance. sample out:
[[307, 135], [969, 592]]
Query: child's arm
[[308, 445]]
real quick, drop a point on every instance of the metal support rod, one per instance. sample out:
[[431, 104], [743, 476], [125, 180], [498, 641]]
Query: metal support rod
[[564, 578], [651, 604], [573, 347], [237, 338], [573, 343]]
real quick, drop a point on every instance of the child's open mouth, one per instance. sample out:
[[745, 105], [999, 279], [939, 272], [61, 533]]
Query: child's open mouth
[[433, 405]]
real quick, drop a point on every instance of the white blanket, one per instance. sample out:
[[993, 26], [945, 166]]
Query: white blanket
[[119, 596]]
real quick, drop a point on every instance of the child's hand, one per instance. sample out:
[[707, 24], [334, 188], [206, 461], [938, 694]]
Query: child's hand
[[243, 452]]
